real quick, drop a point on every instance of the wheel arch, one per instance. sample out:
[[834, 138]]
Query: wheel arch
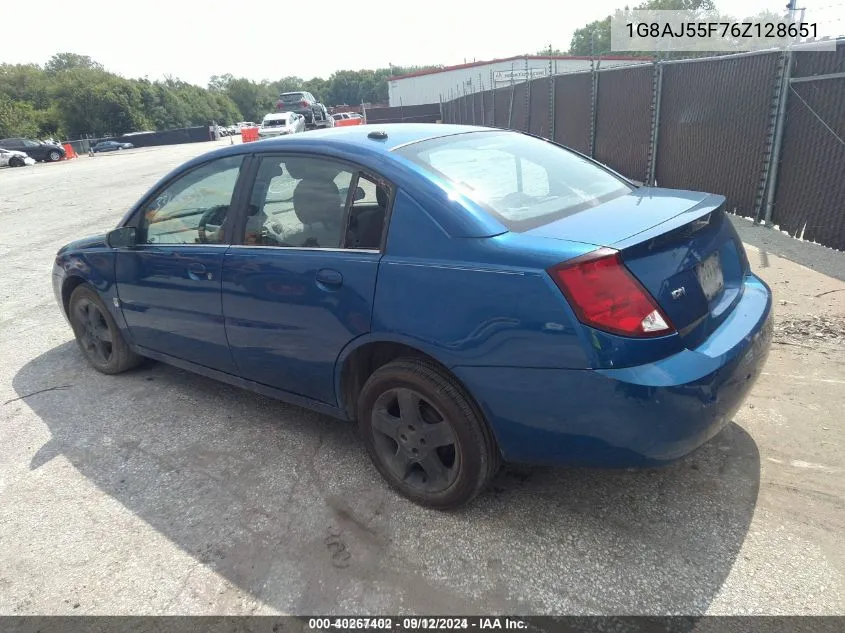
[[70, 283], [360, 359]]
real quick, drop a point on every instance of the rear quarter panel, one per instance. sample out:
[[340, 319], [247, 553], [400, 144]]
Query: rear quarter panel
[[473, 301]]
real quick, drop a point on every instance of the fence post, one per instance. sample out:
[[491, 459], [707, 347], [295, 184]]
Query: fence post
[[483, 111], [551, 98], [527, 97], [594, 103], [771, 165], [656, 92], [510, 109], [493, 91]]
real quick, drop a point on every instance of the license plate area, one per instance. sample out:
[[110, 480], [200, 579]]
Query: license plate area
[[710, 276]]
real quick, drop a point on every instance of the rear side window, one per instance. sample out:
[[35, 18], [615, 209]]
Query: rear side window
[[521, 180]]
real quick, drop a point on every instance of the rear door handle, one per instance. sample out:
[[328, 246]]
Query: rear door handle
[[329, 277], [196, 271]]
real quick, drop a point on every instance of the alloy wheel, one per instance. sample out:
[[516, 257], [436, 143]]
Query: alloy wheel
[[415, 441], [93, 331]]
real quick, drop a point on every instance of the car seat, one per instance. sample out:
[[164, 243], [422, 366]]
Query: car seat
[[316, 198]]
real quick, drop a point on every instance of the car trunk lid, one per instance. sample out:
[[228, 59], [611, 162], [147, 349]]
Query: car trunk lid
[[679, 245]]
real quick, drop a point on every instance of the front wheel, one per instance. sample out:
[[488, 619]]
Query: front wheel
[[424, 434], [54, 156], [97, 334], [16, 161]]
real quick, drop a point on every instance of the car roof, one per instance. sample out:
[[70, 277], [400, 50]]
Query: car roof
[[356, 137], [346, 139]]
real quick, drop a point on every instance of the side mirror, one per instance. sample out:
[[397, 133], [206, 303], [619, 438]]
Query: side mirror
[[123, 237], [359, 194]]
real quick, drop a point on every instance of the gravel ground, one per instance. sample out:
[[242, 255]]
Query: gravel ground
[[161, 492]]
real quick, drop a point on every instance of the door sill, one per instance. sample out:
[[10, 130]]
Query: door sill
[[243, 383]]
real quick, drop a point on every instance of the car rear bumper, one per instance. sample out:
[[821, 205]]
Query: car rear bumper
[[636, 416]]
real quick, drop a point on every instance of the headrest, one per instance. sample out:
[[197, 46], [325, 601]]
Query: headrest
[[301, 168]]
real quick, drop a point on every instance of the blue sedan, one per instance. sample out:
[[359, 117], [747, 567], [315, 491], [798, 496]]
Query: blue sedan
[[467, 295]]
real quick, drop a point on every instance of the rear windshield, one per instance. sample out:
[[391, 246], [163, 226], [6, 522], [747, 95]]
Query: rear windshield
[[523, 181], [275, 122], [290, 98]]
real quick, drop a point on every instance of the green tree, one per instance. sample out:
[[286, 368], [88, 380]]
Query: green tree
[[70, 61], [16, 118]]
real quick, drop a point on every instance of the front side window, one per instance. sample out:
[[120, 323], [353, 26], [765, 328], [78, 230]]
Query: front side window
[[193, 209], [298, 202], [523, 181], [28, 143]]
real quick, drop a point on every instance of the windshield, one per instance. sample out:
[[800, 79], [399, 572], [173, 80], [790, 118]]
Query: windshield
[[290, 98], [523, 181]]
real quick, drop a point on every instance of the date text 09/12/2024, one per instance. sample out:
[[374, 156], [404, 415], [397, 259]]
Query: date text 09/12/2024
[[415, 623]]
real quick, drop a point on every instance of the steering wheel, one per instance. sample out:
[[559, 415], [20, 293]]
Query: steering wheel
[[216, 216]]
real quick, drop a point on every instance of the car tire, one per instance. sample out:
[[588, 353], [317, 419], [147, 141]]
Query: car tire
[[54, 156], [97, 334], [402, 410], [16, 161]]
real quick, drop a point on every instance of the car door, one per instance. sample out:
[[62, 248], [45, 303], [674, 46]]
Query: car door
[[169, 284], [294, 294]]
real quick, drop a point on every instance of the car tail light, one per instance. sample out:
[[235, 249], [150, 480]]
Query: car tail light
[[304, 104], [605, 295]]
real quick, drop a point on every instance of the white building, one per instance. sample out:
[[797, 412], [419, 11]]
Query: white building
[[430, 86]]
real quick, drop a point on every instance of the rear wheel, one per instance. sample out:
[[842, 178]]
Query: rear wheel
[[97, 334], [424, 434], [16, 161]]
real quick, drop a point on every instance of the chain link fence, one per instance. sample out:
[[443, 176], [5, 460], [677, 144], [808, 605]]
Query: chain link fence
[[766, 130], [810, 198], [623, 120]]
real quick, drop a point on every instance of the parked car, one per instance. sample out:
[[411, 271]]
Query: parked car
[[14, 158], [110, 146], [484, 295], [305, 104], [344, 119], [35, 149], [281, 123]]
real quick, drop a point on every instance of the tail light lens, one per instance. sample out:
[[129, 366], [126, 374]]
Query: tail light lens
[[304, 104], [605, 295]]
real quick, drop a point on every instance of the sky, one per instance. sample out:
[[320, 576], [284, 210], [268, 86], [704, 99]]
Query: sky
[[270, 39]]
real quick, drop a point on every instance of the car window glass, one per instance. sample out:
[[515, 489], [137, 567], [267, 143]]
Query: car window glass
[[368, 188], [30, 144], [368, 214], [298, 202], [523, 181], [192, 209]]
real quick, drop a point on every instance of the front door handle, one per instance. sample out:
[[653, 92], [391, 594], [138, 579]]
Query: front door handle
[[329, 277], [196, 271]]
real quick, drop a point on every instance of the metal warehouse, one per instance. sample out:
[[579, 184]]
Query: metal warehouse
[[432, 86]]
